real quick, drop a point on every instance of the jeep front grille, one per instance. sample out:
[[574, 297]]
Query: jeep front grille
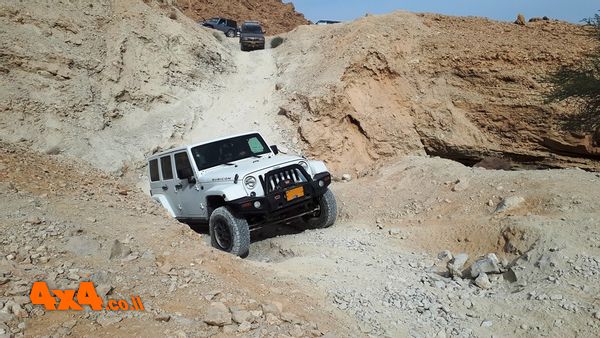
[[280, 179]]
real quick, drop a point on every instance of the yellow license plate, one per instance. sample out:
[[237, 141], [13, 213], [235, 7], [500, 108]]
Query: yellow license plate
[[294, 193]]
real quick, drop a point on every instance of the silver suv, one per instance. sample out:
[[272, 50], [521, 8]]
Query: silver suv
[[252, 36], [238, 184], [227, 26]]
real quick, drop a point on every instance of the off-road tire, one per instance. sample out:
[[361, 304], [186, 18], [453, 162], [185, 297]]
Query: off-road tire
[[326, 215], [243, 48], [230, 33], [223, 220]]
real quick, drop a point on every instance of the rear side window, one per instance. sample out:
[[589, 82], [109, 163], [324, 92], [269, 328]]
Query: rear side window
[[167, 168], [154, 171]]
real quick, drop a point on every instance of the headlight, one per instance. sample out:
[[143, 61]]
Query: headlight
[[250, 182], [304, 165]]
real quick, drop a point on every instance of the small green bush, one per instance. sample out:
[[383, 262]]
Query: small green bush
[[581, 85], [276, 41]]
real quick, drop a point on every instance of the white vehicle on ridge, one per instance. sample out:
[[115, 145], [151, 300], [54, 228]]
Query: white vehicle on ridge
[[239, 183]]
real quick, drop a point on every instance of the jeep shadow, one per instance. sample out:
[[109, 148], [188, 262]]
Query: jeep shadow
[[257, 234]]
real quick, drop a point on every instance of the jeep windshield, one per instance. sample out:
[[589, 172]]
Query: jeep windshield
[[230, 150], [252, 29]]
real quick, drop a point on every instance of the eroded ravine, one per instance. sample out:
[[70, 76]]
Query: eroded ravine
[[243, 100]]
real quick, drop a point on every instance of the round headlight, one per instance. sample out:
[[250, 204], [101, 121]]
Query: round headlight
[[250, 182], [304, 165]]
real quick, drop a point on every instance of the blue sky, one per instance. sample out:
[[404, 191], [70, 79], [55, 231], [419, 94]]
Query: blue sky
[[569, 10]]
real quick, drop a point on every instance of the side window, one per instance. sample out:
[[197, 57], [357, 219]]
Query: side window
[[222, 22], [167, 168], [255, 145], [183, 166], [154, 171]]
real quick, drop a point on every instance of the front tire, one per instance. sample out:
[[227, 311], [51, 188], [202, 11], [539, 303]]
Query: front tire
[[230, 33], [327, 214], [229, 233]]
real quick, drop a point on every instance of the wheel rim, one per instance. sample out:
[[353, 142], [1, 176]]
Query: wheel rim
[[230, 34], [223, 235]]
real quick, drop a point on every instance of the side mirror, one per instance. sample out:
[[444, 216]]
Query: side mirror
[[187, 173], [275, 149]]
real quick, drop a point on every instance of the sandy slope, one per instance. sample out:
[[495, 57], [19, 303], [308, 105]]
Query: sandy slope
[[242, 101], [101, 80]]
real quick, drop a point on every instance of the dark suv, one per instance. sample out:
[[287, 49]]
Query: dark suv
[[252, 36], [227, 26]]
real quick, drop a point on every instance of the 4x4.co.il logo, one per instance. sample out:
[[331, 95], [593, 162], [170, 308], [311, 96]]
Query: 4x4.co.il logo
[[74, 299]]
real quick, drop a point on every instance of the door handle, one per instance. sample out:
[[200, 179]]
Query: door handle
[[164, 187]]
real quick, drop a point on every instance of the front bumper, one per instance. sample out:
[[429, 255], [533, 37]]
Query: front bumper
[[254, 43], [275, 205]]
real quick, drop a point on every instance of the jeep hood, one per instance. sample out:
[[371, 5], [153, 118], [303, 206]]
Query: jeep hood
[[247, 166]]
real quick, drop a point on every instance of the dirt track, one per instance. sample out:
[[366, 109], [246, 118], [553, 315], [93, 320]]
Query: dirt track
[[242, 100], [379, 263]]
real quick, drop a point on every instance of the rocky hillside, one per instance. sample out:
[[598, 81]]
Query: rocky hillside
[[461, 88], [99, 80], [63, 222], [422, 246], [277, 17]]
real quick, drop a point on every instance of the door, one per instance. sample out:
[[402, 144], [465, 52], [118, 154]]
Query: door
[[222, 25], [154, 174], [188, 192], [168, 183]]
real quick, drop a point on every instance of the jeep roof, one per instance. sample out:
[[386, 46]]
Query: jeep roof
[[172, 150], [228, 22], [252, 27], [326, 22]]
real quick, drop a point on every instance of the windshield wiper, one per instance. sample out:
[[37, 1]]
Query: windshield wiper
[[229, 164]]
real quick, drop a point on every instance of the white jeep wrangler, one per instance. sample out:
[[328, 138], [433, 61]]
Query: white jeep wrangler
[[238, 184]]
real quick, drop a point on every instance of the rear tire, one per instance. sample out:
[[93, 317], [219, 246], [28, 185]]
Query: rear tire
[[229, 233], [326, 215]]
